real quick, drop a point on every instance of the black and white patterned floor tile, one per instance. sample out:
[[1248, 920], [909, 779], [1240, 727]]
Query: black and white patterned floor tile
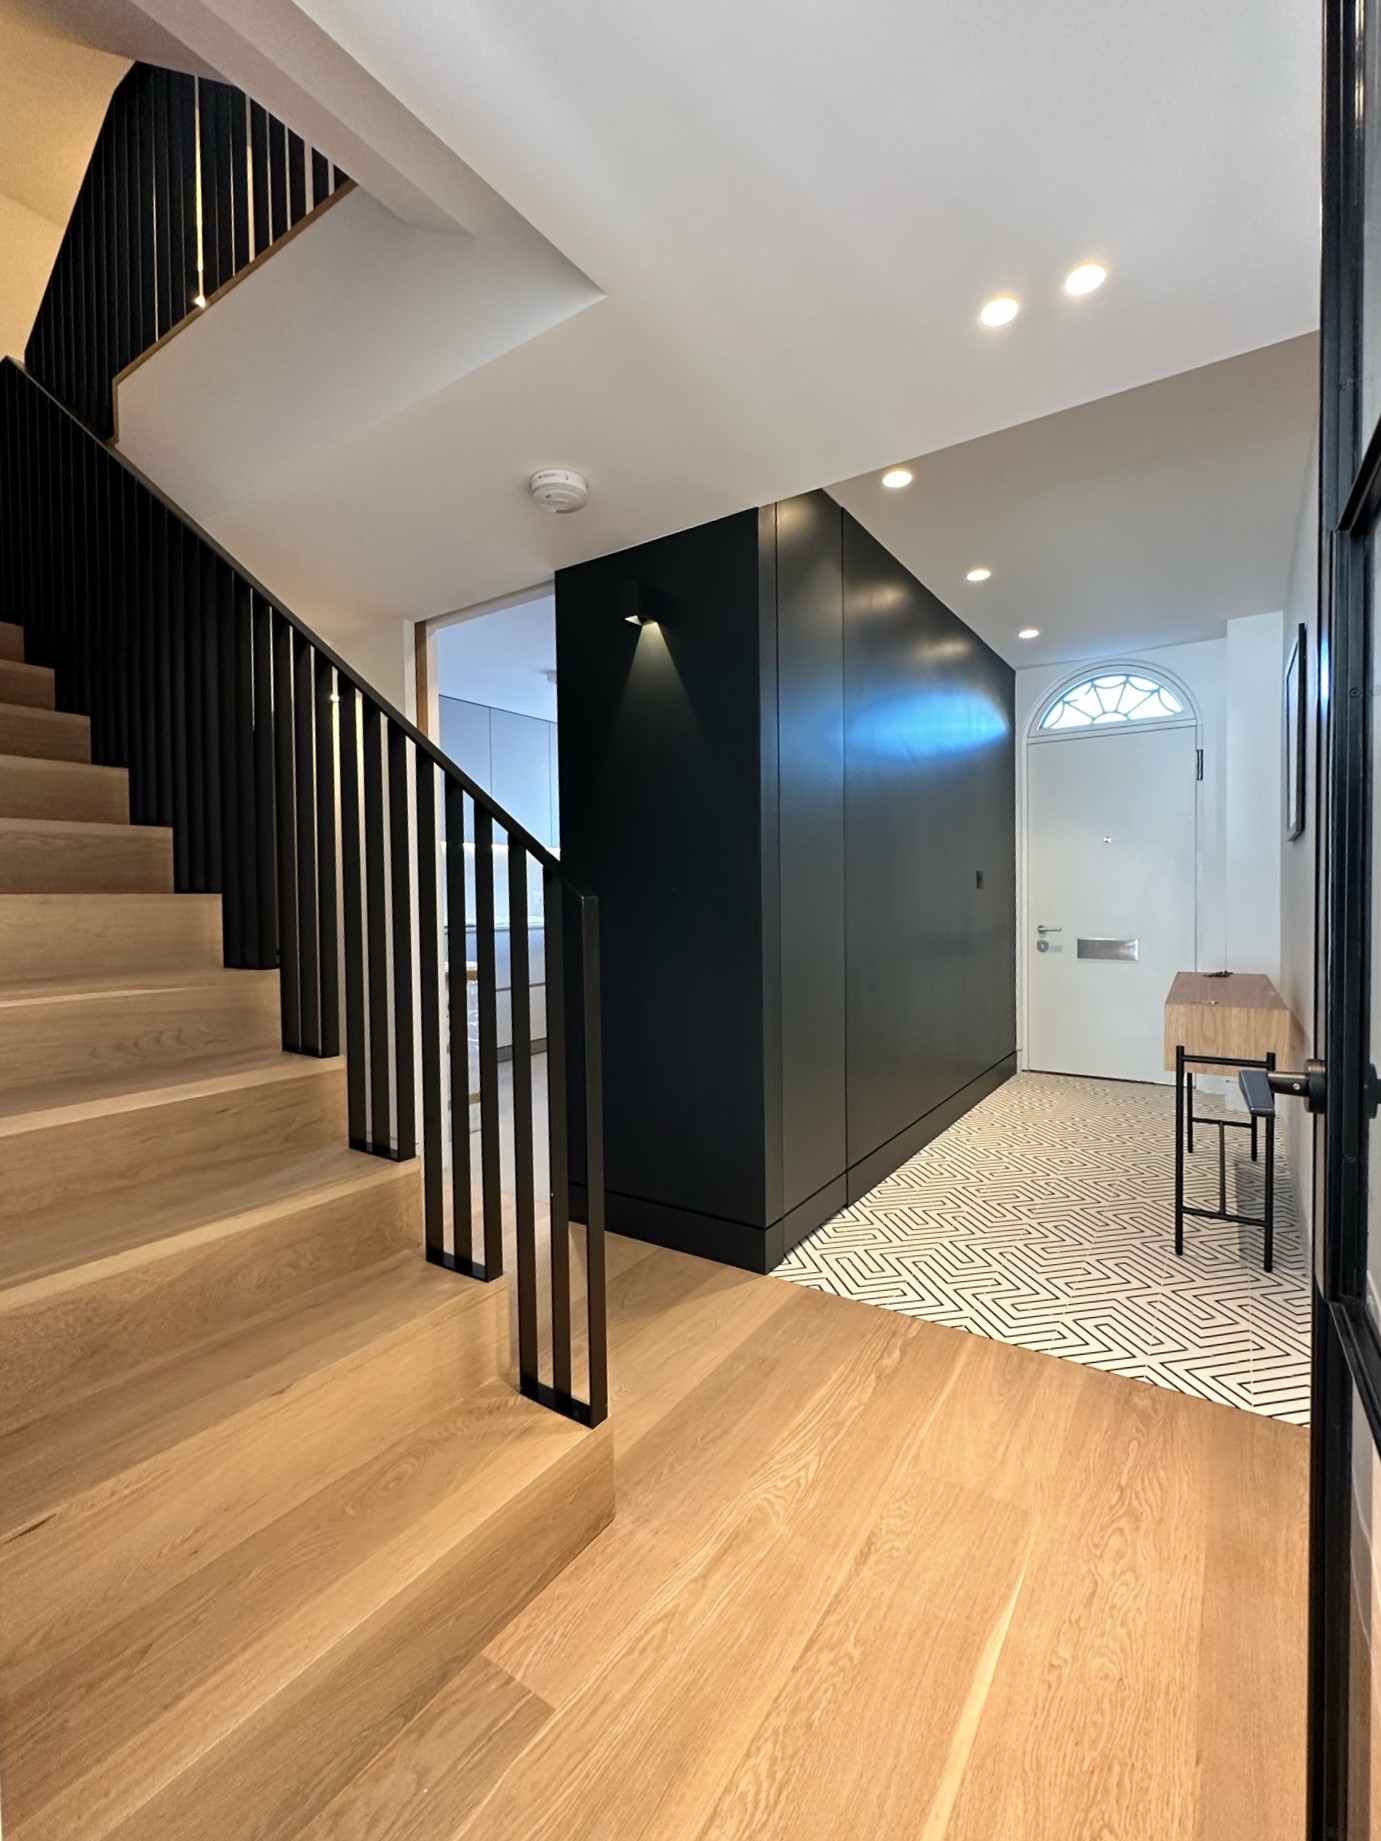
[[1044, 1217]]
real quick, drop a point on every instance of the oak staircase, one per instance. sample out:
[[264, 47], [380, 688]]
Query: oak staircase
[[266, 1483]]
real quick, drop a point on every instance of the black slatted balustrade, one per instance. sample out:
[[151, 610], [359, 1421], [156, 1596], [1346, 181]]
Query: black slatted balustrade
[[350, 853], [188, 182]]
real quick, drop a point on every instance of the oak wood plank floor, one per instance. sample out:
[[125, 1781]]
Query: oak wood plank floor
[[870, 1577]]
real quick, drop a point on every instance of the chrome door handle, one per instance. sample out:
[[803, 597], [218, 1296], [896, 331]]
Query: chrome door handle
[[1050, 930]]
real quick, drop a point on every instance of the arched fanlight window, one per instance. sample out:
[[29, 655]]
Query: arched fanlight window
[[1114, 696]]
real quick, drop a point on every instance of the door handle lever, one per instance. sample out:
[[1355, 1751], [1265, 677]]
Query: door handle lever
[[1261, 1085], [1050, 930]]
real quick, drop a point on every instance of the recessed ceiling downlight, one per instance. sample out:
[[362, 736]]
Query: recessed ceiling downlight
[[1029, 632], [1000, 311], [896, 477], [979, 574], [1086, 279]]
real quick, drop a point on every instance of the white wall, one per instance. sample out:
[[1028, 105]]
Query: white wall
[[1254, 822], [1297, 859]]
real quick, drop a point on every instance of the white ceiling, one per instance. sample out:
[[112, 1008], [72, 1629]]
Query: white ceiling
[[506, 659], [793, 213], [1153, 515]]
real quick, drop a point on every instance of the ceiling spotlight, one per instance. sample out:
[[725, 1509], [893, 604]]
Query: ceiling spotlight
[[1029, 632], [1000, 311], [897, 477], [978, 575], [1086, 278]]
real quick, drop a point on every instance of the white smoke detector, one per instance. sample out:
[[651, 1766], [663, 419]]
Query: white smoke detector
[[558, 489]]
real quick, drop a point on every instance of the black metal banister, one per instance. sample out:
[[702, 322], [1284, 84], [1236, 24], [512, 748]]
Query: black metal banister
[[350, 852]]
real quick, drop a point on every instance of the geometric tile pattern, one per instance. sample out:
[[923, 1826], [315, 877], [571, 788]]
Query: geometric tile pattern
[[1045, 1217]]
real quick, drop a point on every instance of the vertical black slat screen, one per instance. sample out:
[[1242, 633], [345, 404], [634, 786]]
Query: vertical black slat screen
[[328, 946], [300, 797], [376, 920], [400, 864], [554, 984], [429, 986], [486, 996], [458, 1018], [188, 181], [520, 1030], [305, 831]]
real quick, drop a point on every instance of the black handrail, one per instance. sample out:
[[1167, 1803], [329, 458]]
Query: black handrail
[[349, 852], [188, 184]]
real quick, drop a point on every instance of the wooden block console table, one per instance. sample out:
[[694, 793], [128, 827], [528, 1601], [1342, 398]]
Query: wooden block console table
[[1225, 1021]]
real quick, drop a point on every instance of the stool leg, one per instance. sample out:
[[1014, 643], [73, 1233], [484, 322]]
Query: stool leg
[[1179, 1151], [1254, 1159], [1269, 1210], [1189, 1114]]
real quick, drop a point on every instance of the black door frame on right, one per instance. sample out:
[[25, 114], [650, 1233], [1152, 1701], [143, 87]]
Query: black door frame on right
[[1346, 1349]]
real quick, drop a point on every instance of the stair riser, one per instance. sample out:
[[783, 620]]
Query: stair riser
[[107, 1035], [51, 1162], [11, 640], [29, 685], [44, 734], [63, 789], [353, 1669], [131, 860], [60, 1338], [101, 1555], [66, 936]]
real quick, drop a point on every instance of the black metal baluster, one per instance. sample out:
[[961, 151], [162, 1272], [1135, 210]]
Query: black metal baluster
[[278, 179], [352, 901], [285, 810], [554, 984], [235, 811], [262, 217], [321, 178], [594, 1162], [305, 832], [405, 1079], [520, 1028], [241, 245], [328, 948], [265, 797], [486, 993], [376, 910], [297, 179], [458, 1007], [429, 974]]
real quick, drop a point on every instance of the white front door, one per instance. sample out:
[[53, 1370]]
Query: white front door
[[1110, 896]]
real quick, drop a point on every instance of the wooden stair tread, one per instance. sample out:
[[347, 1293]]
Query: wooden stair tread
[[33, 787], [156, 1227], [122, 1225], [44, 734], [151, 1088], [82, 855], [28, 685], [166, 1684], [58, 1458], [194, 979], [11, 640], [46, 935]]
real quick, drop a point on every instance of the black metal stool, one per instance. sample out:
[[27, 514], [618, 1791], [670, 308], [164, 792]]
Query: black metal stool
[[1186, 1119]]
